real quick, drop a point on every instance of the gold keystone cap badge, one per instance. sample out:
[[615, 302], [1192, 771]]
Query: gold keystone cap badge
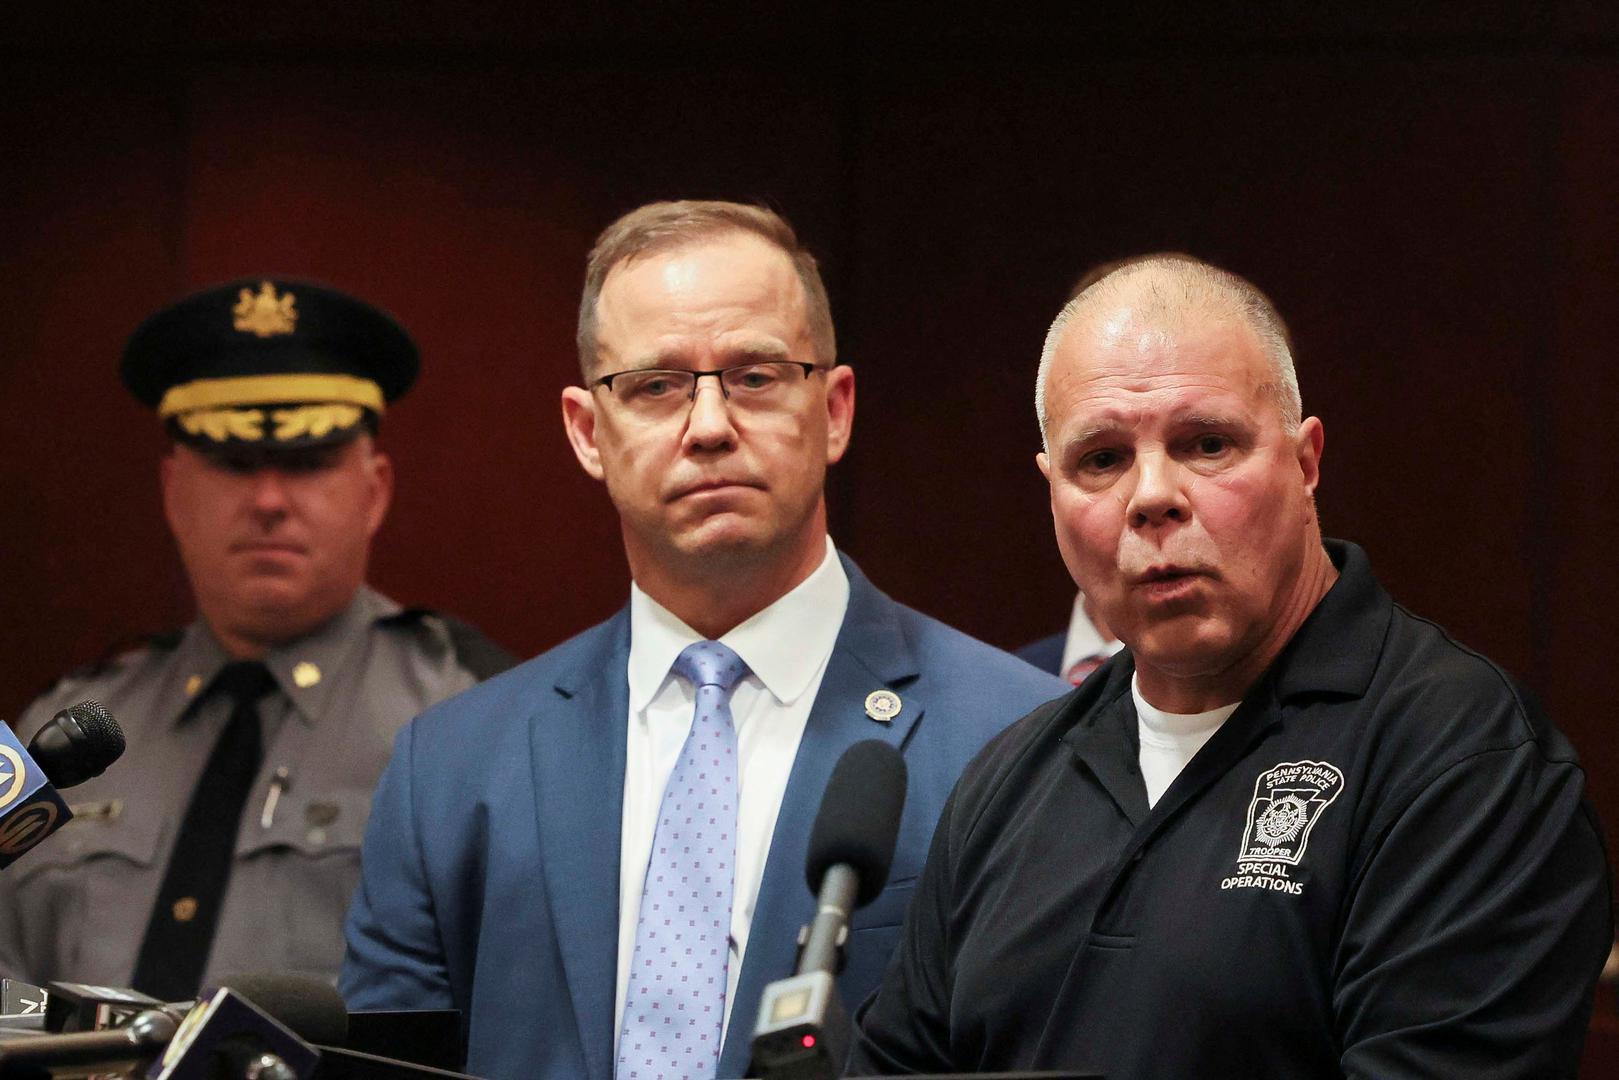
[[269, 362]]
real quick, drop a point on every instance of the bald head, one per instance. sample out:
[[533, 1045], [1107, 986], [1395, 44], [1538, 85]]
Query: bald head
[[1166, 292]]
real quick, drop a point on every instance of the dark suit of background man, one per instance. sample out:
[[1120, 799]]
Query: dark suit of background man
[[1294, 830], [227, 838], [528, 836], [1075, 653]]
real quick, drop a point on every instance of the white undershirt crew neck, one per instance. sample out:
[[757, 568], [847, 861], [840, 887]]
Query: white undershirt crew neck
[[1170, 740]]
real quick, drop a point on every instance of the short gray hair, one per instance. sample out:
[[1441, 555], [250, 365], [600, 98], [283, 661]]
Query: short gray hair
[[661, 226], [1178, 283]]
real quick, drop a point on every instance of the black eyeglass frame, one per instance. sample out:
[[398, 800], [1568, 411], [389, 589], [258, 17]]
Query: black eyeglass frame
[[717, 373]]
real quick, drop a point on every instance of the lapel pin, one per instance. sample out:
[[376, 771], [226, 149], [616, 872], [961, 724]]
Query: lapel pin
[[193, 684], [882, 705]]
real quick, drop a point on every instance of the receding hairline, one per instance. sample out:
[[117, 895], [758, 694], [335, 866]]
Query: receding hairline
[[659, 228], [671, 245], [677, 246], [1167, 291], [708, 233], [1138, 305]]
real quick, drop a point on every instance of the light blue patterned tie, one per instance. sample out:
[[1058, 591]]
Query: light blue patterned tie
[[674, 1010]]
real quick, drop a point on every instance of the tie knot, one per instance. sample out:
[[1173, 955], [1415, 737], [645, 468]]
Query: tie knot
[[244, 681], [708, 663]]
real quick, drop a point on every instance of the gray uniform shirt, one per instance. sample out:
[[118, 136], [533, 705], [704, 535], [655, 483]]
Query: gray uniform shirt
[[76, 907]]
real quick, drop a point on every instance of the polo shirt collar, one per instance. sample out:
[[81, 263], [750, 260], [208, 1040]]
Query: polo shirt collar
[[1336, 649], [785, 645]]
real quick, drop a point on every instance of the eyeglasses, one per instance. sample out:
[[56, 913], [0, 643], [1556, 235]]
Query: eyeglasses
[[659, 393]]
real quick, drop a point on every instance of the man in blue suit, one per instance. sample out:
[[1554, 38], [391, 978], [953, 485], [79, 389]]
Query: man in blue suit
[[612, 836]]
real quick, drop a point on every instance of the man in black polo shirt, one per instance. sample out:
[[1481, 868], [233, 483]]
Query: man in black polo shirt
[[1293, 830]]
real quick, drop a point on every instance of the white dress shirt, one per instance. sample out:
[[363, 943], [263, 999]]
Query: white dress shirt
[[1083, 639], [786, 647]]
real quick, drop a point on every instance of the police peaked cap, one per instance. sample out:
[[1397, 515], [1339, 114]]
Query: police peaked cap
[[269, 362]]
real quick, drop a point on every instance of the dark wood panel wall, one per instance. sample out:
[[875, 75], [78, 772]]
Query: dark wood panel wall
[[1429, 196]]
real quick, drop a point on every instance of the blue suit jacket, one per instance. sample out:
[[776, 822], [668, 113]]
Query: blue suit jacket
[[489, 878]]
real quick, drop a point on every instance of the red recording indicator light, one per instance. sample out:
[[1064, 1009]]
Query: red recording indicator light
[[809, 1042]]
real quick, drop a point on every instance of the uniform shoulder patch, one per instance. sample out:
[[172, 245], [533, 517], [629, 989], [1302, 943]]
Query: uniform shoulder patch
[[114, 658], [166, 640], [121, 652], [474, 650]]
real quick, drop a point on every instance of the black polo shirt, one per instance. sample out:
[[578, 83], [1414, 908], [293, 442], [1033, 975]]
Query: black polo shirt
[[1381, 865]]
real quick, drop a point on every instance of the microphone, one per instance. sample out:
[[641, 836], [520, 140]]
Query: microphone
[[851, 846], [311, 1008], [228, 1037], [363, 1045], [92, 1053], [413, 1043], [802, 1030], [257, 1027], [70, 1007], [76, 744]]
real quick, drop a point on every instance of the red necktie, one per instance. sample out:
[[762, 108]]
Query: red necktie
[[1081, 669]]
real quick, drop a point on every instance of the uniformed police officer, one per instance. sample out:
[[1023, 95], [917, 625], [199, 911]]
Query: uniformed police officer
[[227, 838]]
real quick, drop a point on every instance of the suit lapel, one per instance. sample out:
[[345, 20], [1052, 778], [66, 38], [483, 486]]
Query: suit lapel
[[871, 654], [577, 755]]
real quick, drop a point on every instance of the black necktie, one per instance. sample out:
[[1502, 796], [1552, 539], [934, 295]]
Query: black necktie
[[180, 932]]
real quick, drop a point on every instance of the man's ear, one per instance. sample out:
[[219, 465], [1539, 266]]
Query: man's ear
[[1044, 463], [382, 491], [165, 482], [1308, 446], [839, 411], [579, 419]]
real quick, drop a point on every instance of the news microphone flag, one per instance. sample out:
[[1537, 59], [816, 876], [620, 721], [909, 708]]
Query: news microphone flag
[[30, 808], [227, 1031]]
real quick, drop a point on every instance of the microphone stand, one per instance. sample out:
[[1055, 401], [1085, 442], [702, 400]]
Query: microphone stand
[[89, 1053], [803, 1030]]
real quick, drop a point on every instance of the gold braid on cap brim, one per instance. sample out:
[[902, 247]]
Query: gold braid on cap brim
[[214, 407]]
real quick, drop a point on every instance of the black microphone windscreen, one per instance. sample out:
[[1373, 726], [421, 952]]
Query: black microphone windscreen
[[104, 739], [311, 1008], [859, 817], [77, 744]]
